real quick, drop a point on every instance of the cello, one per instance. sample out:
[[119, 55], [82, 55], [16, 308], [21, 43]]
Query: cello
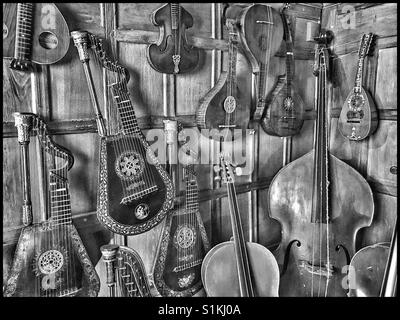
[[238, 268], [321, 204]]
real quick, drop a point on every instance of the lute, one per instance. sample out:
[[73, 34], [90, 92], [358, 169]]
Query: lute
[[33, 32], [50, 259], [358, 118], [135, 192], [223, 109]]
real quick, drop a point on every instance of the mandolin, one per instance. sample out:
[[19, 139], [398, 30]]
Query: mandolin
[[33, 32], [321, 204], [284, 112], [135, 192], [358, 118], [50, 259], [172, 54], [223, 109], [238, 268]]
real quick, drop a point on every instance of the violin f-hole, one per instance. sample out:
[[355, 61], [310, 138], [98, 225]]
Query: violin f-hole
[[287, 255], [346, 252]]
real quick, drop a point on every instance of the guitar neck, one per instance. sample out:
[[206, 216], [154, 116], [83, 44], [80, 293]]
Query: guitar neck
[[192, 192], [60, 204], [175, 14], [359, 75], [289, 52], [232, 57], [23, 36], [125, 109]]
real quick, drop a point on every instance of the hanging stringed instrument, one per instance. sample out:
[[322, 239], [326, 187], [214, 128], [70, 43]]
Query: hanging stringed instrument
[[183, 243], [238, 268], [172, 54], [321, 204], [284, 112], [373, 270], [50, 259], [125, 272], [33, 32], [261, 33], [358, 118], [135, 193], [223, 109]]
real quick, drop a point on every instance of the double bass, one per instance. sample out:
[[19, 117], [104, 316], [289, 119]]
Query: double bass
[[238, 268], [172, 54], [321, 204]]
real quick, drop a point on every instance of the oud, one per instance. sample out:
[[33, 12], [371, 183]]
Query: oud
[[50, 259], [223, 108], [33, 32], [358, 118], [172, 54], [331, 203], [135, 193], [284, 112]]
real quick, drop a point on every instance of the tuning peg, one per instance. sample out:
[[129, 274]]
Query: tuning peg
[[217, 168], [238, 171]]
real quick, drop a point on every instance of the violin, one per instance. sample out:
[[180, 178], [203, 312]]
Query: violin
[[373, 270], [239, 268], [284, 112], [321, 204], [172, 54]]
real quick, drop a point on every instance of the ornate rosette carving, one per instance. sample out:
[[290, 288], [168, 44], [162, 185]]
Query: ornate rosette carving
[[102, 203]]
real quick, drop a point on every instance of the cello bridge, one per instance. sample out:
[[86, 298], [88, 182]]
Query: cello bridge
[[319, 270]]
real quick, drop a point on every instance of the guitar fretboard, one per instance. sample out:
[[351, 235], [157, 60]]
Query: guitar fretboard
[[232, 57], [23, 36], [60, 204]]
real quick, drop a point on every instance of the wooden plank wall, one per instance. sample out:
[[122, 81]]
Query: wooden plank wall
[[375, 157], [128, 30]]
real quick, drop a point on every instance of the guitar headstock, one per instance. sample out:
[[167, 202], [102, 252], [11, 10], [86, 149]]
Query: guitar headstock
[[365, 44]]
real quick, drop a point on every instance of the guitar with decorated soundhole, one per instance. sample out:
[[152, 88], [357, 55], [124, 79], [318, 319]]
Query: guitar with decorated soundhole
[[358, 118], [33, 32], [50, 259], [135, 192]]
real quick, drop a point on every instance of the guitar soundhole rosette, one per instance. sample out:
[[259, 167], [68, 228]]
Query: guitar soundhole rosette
[[229, 104], [50, 261], [356, 102], [185, 236], [129, 165]]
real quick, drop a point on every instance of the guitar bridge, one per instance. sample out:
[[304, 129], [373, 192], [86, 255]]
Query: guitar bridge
[[138, 195], [187, 266], [227, 126]]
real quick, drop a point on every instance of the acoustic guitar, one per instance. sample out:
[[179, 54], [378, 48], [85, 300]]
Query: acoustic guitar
[[33, 32], [50, 259], [358, 118]]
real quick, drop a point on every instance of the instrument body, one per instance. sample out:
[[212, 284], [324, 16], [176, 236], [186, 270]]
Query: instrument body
[[224, 109], [239, 268], [135, 192], [359, 118], [367, 268], [284, 114], [50, 259], [46, 36], [125, 272], [321, 203], [172, 54]]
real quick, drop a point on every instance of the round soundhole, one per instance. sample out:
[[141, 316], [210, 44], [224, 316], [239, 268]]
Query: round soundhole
[[50, 261], [48, 40], [288, 104], [129, 165], [229, 104], [142, 211], [185, 236], [356, 102]]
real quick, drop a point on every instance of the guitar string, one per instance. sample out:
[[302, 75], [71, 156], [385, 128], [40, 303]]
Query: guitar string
[[327, 186]]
